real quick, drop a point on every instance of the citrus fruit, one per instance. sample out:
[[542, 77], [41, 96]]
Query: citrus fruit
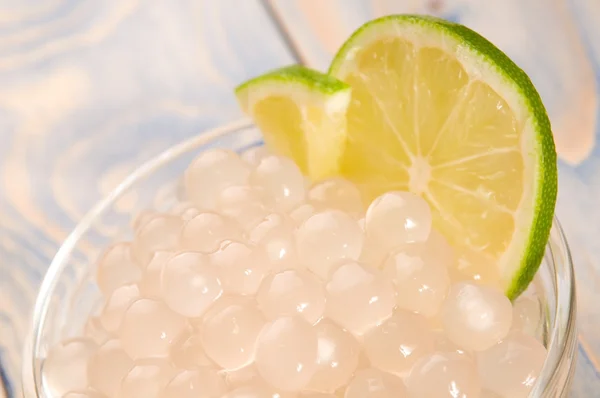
[[438, 110], [301, 113]]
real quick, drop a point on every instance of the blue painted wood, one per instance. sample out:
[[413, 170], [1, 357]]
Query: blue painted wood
[[89, 89]]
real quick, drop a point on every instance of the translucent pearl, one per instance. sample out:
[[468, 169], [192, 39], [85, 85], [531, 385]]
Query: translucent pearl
[[476, 267], [302, 213], [282, 179], [65, 366], [290, 293], [241, 267], [146, 378], [420, 276], [245, 204], [395, 218], [443, 375], [326, 239], [399, 342], [527, 315], [254, 155], [239, 377], [199, 383], [275, 234], [108, 366], [476, 317], [117, 267], [230, 332], [206, 231], [359, 298], [287, 353], [210, 173], [88, 393], [338, 353], [186, 211], [187, 351], [444, 345], [161, 233], [511, 368], [316, 395], [148, 329], [141, 219], [118, 302], [337, 193], [258, 390], [150, 285], [94, 330], [373, 383], [190, 284]]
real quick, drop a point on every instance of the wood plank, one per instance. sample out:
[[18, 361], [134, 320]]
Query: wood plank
[[91, 89]]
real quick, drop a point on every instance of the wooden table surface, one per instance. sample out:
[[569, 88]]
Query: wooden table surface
[[91, 88]]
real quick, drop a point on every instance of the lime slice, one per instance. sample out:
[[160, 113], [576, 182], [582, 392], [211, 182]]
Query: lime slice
[[302, 114], [438, 110]]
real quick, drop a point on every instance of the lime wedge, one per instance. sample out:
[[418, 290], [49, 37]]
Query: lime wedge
[[302, 114], [438, 110]]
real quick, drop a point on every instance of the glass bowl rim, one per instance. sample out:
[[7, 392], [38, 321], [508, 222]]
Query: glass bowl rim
[[31, 373]]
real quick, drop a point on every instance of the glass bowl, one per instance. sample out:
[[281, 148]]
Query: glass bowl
[[68, 293]]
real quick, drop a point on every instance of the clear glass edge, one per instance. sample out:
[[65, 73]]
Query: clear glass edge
[[562, 339]]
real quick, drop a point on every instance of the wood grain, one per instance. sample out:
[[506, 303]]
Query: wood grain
[[89, 90]]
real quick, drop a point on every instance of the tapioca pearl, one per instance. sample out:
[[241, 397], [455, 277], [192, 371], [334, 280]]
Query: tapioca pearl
[[254, 155], [258, 389], [148, 329], [292, 292], [359, 298], [326, 239], [395, 218], [108, 366], [187, 351], [374, 383], [116, 305], [527, 315], [399, 342], [206, 231], [94, 330], [186, 211], [240, 266], [190, 284], [210, 173], [230, 332], [316, 395], [287, 353], [198, 383], [240, 377], [444, 375], [117, 267], [511, 367], [338, 354], [337, 193], [443, 344], [161, 233], [245, 204], [150, 284], [302, 213], [282, 180], [420, 277], [476, 317], [146, 378], [65, 367], [275, 234]]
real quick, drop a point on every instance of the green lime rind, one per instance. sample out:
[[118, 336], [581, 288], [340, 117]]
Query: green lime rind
[[311, 79], [486, 54]]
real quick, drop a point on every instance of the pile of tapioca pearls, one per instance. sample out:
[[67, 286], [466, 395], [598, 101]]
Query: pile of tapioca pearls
[[265, 286]]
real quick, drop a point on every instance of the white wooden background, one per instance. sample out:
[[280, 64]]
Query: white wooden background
[[91, 88]]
